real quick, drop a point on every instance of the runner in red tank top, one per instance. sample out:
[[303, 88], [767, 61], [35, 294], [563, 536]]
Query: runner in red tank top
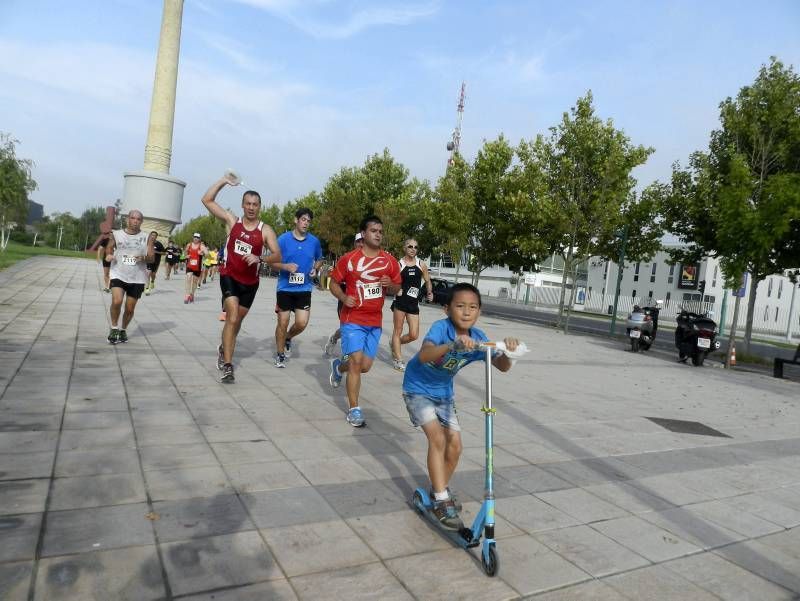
[[195, 251], [238, 278]]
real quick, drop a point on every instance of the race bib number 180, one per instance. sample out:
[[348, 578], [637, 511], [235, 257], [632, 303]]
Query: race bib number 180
[[241, 248], [297, 278], [373, 291]]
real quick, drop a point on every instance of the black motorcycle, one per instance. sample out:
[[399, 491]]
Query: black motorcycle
[[641, 327], [695, 336]]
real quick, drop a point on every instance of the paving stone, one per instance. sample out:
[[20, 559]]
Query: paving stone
[[232, 453], [590, 591], [198, 518], [764, 504], [349, 583], [593, 471], [120, 437], [670, 489], [630, 498], [288, 507], [133, 573], [96, 462], [307, 447], [96, 419], [177, 456], [591, 551], [398, 533], [217, 562], [582, 505], [15, 580], [332, 471], [692, 527], [11, 421], [187, 483], [656, 583], [20, 534], [369, 497], [94, 491], [252, 477], [233, 433], [743, 522], [274, 590], [27, 441], [23, 496], [97, 529], [648, 540], [532, 514]]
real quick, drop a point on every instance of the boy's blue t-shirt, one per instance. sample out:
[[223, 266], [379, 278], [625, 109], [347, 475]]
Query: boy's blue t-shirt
[[303, 252], [435, 379]]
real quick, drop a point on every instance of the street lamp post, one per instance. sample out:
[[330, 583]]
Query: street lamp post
[[621, 265]]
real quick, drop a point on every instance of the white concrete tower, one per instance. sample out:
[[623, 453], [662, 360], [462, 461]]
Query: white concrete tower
[[153, 191]]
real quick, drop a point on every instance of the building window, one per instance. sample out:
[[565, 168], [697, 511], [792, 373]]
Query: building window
[[636, 272], [633, 294], [653, 272], [766, 313], [710, 299], [650, 294], [769, 288], [669, 294], [714, 279], [671, 273], [780, 288], [776, 314]]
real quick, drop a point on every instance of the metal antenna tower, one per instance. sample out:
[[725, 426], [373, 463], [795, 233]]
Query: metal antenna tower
[[454, 144]]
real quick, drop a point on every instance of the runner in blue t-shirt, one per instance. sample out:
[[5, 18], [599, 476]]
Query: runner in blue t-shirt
[[449, 345], [301, 254]]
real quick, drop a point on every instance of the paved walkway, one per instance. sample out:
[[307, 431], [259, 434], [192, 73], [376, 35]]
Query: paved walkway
[[128, 472]]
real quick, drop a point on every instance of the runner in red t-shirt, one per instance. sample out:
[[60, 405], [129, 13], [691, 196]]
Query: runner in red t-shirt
[[365, 273]]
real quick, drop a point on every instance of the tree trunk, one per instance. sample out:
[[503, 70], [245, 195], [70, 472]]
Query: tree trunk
[[571, 298], [751, 304], [563, 290]]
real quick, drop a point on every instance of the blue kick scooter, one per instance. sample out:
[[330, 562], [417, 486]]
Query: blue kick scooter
[[483, 525]]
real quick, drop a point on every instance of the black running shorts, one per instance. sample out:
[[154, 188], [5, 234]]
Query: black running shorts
[[292, 301], [233, 288], [132, 290]]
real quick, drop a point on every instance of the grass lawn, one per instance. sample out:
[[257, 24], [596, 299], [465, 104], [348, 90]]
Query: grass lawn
[[17, 252]]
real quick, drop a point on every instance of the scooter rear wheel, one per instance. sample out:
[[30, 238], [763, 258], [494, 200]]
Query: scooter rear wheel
[[418, 502], [492, 565]]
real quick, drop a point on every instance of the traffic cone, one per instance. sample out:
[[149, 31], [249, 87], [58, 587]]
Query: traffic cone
[[733, 355]]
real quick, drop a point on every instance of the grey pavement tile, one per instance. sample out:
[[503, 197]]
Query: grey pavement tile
[[308, 447], [398, 533], [217, 562], [15, 580], [177, 456], [231, 453], [458, 576], [23, 496], [288, 507], [501, 458], [201, 517], [143, 418], [473, 483], [272, 590], [96, 462], [669, 488], [20, 535], [532, 514], [26, 465], [152, 436], [646, 539], [740, 521], [332, 471], [28, 441], [789, 496], [251, 477], [82, 420], [727, 580], [693, 527], [290, 427], [598, 470], [711, 482], [12, 421], [530, 567], [756, 477], [360, 583], [502, 527], [94, 491], [10, 404], [582, 505], [533, 452], [787, 542], [232, 432], [366, 498], [591, 551], [221, 416], [118, 437], [595, 590], [317, 546], [766, 506], [630, 498], [656, 583], [391, 465], [364, 444], [186, 483], [107, 401], [96, 529], [531, 478], [132, 574]]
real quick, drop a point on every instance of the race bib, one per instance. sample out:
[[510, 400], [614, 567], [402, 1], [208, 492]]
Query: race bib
[[412, 292], [297, 278], [242, 248], [372, 291], [129, 260], [193, 262]]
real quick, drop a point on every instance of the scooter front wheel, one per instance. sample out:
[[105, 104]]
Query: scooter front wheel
[[490, 561]]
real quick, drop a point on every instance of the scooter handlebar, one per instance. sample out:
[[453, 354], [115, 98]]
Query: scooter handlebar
[[518, 352]]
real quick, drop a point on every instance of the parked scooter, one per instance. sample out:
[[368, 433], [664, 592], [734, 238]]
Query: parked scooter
[[695, 336], [642, 326]]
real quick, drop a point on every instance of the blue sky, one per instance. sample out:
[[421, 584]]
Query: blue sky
[[289, 91]]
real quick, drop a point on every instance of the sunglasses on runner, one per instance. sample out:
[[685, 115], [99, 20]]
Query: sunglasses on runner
[[412, 246]]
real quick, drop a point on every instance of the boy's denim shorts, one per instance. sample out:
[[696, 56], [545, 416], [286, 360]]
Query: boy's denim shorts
[[423, 409]]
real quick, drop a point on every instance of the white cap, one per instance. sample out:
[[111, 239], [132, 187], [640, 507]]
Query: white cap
[[196, 235]]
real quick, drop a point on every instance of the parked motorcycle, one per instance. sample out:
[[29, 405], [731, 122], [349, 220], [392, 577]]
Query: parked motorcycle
[[695, 336], [641, 326]]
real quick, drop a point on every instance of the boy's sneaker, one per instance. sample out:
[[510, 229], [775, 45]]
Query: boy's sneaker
[[220, 358], [329, 346], [113, 336], [287, 348], [335, 377], [280, 360], [453, 498], [123, 336], [227, 374], [355, 418], [398, 364], [447, 514]]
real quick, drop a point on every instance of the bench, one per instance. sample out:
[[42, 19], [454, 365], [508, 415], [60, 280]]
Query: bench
[[777, 367]]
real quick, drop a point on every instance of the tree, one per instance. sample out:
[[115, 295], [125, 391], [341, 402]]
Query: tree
[[740, 200], [451, 210], [211, 229], [586, 164], [15, 185]]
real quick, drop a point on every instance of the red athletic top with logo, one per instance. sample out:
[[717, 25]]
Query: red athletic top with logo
[[241, 242], [193, 257], [361, 276]]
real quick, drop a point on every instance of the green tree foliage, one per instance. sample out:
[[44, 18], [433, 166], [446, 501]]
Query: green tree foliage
[[15, 185], [740, 200], [211, 230], [451, 210]]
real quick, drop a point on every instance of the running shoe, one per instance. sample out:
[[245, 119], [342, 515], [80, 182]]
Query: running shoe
[[287, 347], [330, 345], [447, 514], [453, 497], [227, 374], [220, 358], [113, 336], [147, 291], [398, 365], [106, 289], [186, 300], [191, 298], [335, 377], [123, 336], [280, 360], [355, 418]]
